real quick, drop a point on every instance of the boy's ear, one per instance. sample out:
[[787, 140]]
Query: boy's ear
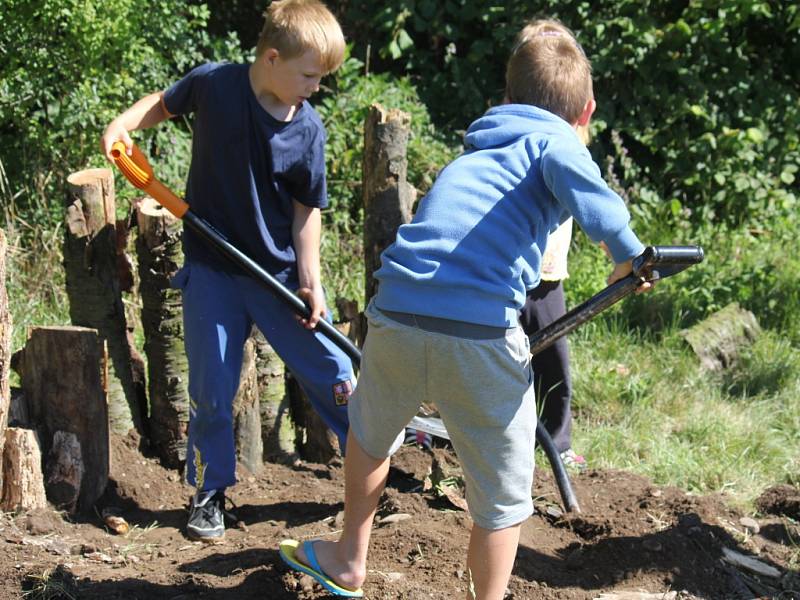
[[587, 113], [270, 54]]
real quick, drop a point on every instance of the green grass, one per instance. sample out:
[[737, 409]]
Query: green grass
[[35, 281], [645, 405]]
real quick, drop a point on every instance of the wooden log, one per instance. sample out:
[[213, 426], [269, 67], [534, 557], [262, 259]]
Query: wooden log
[[313, 440], [277, 426], [63, 380], [246, 413], [64, 471], [5, 348], [717, 340], [158, 251], [93, 287], [388, 197], [351, 322], [23, 486]]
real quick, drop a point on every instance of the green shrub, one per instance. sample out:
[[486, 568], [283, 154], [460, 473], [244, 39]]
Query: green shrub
[[702, 95], [344, 110], [75, 64]]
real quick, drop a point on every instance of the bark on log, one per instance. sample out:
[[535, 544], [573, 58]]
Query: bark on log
[[158, 250], [5, 348], [23, 487], [246, 414], [93, 288], [277, 427], [717, 341], [63, 372], [64, 471], [313, 440], [351, 322], [388, 197]]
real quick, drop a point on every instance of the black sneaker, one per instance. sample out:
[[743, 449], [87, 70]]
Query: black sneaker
[[207, 516]]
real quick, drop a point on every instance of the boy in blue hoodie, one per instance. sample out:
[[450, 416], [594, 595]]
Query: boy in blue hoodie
[[443, 326]]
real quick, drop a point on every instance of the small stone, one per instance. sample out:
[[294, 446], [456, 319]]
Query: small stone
[[554, 512], [751, 525]]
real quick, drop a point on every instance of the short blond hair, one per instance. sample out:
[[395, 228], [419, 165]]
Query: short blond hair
[[294, 27], [548, 68]]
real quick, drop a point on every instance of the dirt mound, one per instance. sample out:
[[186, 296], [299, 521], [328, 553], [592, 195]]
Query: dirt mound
[[630, 536]]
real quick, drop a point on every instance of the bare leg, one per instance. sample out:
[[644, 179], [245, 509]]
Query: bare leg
[[345, 561], [489, 561]]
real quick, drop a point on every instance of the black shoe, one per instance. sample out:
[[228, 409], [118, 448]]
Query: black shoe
[[207, 516]]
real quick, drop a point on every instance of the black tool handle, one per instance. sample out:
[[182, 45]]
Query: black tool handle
[[218, 241], [656, 262]]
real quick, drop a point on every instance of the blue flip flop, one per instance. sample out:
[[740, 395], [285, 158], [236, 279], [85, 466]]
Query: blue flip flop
[[288, 552]]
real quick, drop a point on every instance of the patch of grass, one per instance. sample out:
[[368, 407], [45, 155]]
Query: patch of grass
[[35, 280], [52, 584], [342, 263], [644, 405]]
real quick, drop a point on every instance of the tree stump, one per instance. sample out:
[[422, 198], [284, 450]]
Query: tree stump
[[246, 413], [717, 340], [158, 249], [23, 487], [5, 348], [313, 440], [388, 197], [277, 427], [63, 380], [93, 288]]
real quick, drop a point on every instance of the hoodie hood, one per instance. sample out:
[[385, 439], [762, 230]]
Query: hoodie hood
[[506, 123]]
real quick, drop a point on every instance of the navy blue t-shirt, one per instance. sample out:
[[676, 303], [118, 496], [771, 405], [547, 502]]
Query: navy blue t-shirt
[[247, 167]]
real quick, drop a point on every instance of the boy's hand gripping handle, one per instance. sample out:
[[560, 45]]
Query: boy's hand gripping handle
[[139, 172]]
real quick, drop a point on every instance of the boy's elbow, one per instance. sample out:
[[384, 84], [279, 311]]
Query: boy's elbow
[[165, 114]]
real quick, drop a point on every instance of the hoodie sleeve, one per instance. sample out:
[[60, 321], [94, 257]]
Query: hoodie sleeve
[[574, 180]]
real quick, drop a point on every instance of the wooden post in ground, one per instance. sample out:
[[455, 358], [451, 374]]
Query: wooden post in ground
[[23, 487], [93, 288], [158, 248], [246, 413], [277, 427], [5, 349], [388, 197], [63, 372], [313, 440]]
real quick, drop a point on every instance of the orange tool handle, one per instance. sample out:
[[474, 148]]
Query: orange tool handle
[[139, 172]]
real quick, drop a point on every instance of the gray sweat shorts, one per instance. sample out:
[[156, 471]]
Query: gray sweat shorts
[[483, 389]]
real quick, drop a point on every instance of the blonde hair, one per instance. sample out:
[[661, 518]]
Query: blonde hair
[[548, 68], [294, 27]]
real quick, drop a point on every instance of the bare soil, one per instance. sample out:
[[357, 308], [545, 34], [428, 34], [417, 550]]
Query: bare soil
[[631, 536]]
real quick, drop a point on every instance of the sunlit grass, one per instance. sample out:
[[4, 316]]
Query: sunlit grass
[[646, 406]]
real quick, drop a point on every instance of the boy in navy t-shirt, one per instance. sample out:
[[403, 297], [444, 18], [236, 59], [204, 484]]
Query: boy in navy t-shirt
[[258, 176]]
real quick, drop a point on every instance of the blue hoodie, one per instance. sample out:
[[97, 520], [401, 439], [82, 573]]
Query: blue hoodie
[[475, 244]]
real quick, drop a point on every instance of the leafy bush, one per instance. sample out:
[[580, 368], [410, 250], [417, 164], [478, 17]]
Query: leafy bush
[[344, 110], [75, 64], [703, 95]]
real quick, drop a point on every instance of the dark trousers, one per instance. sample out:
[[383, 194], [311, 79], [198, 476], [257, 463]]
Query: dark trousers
[[551, 375]]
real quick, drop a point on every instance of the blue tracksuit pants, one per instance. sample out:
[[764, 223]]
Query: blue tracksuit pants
[[219, 310]]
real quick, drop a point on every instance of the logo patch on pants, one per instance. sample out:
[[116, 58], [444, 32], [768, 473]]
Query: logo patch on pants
[[341, 392]]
